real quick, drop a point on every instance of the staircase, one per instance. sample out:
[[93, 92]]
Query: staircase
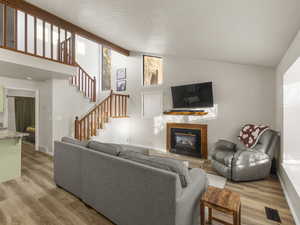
[[61, 50], [113, 106], [85, 83]]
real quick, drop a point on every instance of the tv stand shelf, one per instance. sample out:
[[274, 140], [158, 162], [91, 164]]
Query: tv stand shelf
[[186, 113]]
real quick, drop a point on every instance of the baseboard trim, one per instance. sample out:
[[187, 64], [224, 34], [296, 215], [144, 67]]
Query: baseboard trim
[[44, 150], [293, 211], [47, 154]]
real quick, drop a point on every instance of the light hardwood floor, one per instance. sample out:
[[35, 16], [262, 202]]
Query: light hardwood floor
[[34, 199]]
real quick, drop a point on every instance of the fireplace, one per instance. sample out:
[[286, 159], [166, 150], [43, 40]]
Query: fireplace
[[187, 139]]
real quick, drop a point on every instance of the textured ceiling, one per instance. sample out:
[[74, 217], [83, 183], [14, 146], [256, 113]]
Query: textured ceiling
[[240, 31]]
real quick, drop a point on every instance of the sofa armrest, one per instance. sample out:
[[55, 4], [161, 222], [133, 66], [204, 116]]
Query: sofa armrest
[[67, 166], [187, 204]]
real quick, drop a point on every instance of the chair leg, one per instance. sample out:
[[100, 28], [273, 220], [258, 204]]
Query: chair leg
[[202, 213], [209, 215], [240, 215]]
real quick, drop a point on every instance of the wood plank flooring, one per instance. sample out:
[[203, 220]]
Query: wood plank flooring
[[33, 199]]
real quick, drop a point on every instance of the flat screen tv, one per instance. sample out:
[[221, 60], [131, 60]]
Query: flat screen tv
[[193, 96]]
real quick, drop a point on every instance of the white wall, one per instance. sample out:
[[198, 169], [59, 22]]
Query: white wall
[[60, 103], [20, 93], [243, 94], [88, 56], [290, 57], [291, 111], [45, 119], [67, 103]]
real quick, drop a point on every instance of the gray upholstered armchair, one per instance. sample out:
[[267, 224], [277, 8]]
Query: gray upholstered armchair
[[238, 163]]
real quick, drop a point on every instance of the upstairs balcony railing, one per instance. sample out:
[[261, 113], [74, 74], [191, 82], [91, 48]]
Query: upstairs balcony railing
[[29, 34]]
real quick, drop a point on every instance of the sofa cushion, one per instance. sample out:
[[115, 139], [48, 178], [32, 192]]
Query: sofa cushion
[[74, 141], [172, 165], [108, 148], [133, 148]]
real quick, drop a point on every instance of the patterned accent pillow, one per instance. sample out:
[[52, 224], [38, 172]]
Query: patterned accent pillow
[[249, 134]]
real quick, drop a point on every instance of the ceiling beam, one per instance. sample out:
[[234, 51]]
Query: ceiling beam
[[55, 20]]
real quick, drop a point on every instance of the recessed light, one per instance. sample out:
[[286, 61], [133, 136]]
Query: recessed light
[[28, 78]]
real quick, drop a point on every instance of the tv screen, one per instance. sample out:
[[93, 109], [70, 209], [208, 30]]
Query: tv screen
[[193, 96]]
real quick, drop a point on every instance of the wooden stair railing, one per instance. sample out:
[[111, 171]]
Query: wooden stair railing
[[113, 106], [85, 83], [65, 51]]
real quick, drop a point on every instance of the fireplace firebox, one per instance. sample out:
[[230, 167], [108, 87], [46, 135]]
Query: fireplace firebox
[[187, 139]]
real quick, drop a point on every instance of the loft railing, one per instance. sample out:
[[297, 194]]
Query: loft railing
[[29, 34], [66, 53], [114, 106], [85, 83]]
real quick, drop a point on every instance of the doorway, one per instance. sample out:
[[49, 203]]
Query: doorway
[[21, 113]]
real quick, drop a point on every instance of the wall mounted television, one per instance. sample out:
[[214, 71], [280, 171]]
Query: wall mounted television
[[193, 95]]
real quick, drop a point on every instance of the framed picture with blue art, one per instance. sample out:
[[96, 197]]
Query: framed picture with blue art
[[121, 85], [121, 79], [121, 74]]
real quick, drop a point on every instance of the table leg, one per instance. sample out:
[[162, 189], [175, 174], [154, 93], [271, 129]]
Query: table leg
[[240, 215], [209, 215], [202, 213], [235, 218]]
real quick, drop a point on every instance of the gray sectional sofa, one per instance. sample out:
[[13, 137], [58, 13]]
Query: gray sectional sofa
[[126, 185]]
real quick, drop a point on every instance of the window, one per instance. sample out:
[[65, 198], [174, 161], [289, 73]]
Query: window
[[106, 69], [152, 70], [80, 48]]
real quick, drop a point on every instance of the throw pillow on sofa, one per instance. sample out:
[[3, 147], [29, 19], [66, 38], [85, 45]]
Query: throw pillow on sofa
[[111, 149], [168, 164]]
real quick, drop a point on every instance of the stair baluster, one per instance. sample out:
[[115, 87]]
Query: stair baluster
[[114, 106], [85, 83]]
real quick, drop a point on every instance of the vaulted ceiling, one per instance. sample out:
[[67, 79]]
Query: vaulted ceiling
[[241, 31]]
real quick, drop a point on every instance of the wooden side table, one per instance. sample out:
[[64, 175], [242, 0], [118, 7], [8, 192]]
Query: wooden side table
[[222, 200]]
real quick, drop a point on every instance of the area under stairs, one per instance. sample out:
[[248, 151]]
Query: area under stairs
[[113, 106]]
